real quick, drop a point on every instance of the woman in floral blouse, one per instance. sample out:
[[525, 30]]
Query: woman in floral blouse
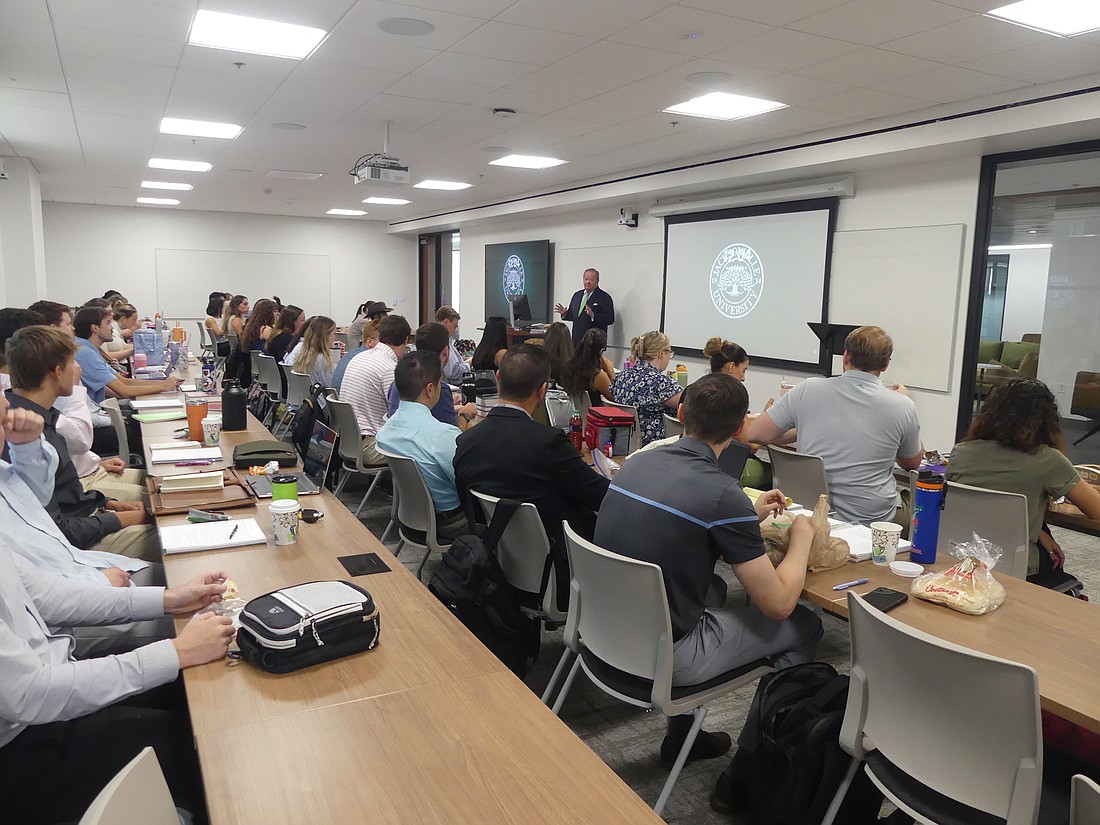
[[645, 385]]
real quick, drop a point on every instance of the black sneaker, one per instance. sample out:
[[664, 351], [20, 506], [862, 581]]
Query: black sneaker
[[706, 746]]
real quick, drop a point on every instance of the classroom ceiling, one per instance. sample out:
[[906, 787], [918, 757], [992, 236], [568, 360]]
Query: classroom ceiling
[[84, 85]]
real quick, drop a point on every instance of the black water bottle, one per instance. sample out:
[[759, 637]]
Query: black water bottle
[[469, 387], [234, 407]]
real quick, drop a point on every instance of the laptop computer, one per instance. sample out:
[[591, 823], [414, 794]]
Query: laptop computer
[[322, 444], [733, 459]]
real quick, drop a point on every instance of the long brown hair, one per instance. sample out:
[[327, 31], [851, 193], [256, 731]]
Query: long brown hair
[[1021, 414], [263, 315], [315, 343], [577, 373]]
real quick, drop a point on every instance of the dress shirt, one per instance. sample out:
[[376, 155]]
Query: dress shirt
[[96, 373], [342, 365], [74, 424], [26, 486], [456, 366], [42, 682], [412, 431], [366, 387]]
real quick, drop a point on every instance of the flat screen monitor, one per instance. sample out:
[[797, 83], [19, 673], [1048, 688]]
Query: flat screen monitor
[[520, 309], [514, 269]]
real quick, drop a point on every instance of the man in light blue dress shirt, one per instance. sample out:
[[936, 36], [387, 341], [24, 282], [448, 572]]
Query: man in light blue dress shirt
[[413, 432]]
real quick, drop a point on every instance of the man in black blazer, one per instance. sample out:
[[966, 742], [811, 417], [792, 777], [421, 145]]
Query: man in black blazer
[[510, 455], [589, 308]]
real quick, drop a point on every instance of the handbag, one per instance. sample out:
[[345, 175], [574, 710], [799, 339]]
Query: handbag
[[258, 453], [151, 343], [303, 625]]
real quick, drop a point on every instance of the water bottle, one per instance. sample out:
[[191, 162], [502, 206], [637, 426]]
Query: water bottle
[[927, 503], [234, 406], [576, 436], [469, 387], [209, 382], [608, 448]]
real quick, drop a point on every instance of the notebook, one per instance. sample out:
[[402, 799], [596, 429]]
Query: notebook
[[193, 481], [211, 535], [167, 456], [322, 444], [156, 403]]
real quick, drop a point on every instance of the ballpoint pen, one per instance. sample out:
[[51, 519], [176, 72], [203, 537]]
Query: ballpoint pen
[[846, 585], [197, 462], [233, 532]]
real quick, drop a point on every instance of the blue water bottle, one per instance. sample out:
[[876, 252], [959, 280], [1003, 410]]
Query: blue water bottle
[[928, 502]]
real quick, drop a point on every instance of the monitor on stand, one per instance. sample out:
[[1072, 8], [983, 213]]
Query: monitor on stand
[[519, 311]]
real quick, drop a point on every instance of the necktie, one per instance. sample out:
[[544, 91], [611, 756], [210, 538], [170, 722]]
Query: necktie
[[584, 300]]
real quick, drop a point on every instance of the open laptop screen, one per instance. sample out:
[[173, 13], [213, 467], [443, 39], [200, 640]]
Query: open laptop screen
[[322, 443]]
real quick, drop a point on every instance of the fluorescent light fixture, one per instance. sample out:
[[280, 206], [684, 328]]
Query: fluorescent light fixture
[[348, 212], [179, 165], [159, 201], [217, 30], [1014, 247], [724, 106], [445, 185], [1062, 18], [163, 184], [387, 201], [527, 162], [199, 128], [284, 173]]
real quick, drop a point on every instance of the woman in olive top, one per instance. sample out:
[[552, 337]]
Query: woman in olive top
[[1014, 445]]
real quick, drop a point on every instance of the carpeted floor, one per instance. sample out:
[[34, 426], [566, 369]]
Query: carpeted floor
[[628, 739]]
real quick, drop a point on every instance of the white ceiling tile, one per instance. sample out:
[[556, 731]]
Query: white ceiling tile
[[773, 12], [865, 103], [24, 10], [791, 88], [872, 22], [121, 124], [33, 81], [35, 99], [867, 66], [243, 84], [196, 103], [224, 62], [327, 84], [321, 14], [581, 17], [5, 147], [407, 114], [610, 108], [978, 6], [116, 45], [530, 103], [666, 29], [738, 75], [467, 68], [521, 44], [123, 98], [1052, 60], [541, 132], [485, 9], [447, 91], [965, 40], [560, 80], [38, 61], [362, 52], [947, 84], [119, 71], [364, 17], [314, 118], [125, 16], [621, 60], [26, 34], [465, 126], [784, 50]]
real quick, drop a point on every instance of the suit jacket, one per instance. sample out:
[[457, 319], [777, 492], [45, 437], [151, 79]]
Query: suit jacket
[[510, 456], [603, 313]]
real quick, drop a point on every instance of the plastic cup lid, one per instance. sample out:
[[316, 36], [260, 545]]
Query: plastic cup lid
[[908, 569], [285, 505]]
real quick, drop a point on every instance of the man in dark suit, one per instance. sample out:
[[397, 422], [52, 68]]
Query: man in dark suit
[[512, 456], [589, 308]]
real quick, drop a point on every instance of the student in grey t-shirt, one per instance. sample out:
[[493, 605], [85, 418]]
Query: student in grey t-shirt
[[856, 424]]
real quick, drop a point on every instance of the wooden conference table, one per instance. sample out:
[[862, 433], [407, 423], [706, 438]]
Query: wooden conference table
[[428, 728]]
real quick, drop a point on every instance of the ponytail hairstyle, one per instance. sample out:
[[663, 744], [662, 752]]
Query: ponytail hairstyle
[[722, 352], [648, 347]]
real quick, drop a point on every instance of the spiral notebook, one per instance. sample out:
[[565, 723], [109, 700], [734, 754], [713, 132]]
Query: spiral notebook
[[211, 535]]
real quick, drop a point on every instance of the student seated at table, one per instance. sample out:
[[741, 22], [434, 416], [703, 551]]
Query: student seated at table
[[494, 343], [315, 357], [588, 369], [645, 386], [42, 366], [235, 314], [93, 329], [558, 343], [674, 507], [369, 341], [367, 380], [287, 332], [213, 323], [1014, 445], [432, 337], [67, 726], [412, 431], [126, 320], [730, 358]]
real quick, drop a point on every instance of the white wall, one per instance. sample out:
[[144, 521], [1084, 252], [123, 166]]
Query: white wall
[[928, 194], [1027, 293], [90, 249]]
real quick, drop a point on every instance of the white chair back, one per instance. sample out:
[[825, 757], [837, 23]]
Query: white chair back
[[114, 412], [523, 550], [415, 508], [923, 703], [268, 374], [205, 339], [1084, 801], [137, 794], [297, 387], [801, 477], [994, 515], [673, 426], [636, 433]]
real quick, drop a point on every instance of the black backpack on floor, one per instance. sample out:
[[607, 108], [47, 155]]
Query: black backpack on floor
[[798, 763], [472, 586]]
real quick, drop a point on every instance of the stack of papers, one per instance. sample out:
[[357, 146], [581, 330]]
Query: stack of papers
[[211, 535], [214, 480], [858, 537], [156, 403], [172, 454]]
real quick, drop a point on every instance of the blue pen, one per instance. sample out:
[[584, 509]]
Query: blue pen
[[855, 583]]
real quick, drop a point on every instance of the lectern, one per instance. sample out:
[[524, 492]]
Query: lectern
[[832, 336]]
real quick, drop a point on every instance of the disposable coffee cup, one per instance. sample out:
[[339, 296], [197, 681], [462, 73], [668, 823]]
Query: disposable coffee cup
[[884, 541], [284, 487], [284, 521], [212, 431]]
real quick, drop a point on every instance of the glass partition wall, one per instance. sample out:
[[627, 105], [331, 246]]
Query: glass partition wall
[[1035, 294]]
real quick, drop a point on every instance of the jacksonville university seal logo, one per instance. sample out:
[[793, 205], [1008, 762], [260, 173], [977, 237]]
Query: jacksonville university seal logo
[[736, 280], [514, 278]]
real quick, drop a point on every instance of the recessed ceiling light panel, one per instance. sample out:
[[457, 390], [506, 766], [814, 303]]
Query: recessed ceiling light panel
[[445, 185], [217, 30], [406, 26], [162, 184], [724, 106], [527, 162], [283, 173], [159, 201], [1063, 18], [199, 128], [179, 165], [351, 213], [387, 201]]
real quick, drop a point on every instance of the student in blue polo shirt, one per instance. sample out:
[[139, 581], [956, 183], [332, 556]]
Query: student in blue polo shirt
[[93, 329]]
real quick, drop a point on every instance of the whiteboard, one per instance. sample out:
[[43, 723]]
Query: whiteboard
[[905, 280], [186, 277], [630, 274]]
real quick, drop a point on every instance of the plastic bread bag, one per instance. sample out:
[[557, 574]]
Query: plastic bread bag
[[826, 551], [968, 586]]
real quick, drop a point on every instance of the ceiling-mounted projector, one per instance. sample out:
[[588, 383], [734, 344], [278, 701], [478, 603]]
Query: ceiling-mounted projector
[[382, 167]]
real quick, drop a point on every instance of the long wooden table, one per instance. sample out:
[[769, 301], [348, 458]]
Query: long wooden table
[[1055, 634], [428, 727]]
